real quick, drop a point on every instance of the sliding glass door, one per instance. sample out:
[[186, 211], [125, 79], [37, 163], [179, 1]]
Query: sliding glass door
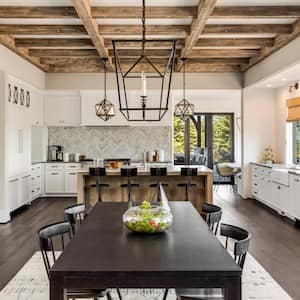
[[206, 138]]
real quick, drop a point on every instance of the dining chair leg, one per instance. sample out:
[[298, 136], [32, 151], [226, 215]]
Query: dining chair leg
[[119, 294], [165, 294]]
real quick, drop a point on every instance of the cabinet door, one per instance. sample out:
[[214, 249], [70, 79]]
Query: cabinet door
[[36, 108], [52, 111], [13, 193], [71, 110], [24, 190], [284, 199], [275, 195], [70, 182], [55, 181], [295, 196]]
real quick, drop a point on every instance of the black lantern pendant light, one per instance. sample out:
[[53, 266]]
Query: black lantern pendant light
[[184, 109], [105, 109], [142, 106]]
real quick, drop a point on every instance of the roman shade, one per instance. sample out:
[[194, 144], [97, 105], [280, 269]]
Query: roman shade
[[293, 109]]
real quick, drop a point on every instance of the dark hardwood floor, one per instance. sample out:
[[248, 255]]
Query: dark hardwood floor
[[275, 243]]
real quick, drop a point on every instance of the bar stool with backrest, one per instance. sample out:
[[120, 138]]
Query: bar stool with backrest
[[159, 173], [129, 172], [98, 172], [212, 214], [56, 234], [241, 240], [75, 213], [189, 173]]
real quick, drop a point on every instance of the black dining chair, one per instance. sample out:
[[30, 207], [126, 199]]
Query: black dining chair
[[74, 214], [241, 240], [98, 173], [188, 173], [212, 214], [128, 173], [57, 234]]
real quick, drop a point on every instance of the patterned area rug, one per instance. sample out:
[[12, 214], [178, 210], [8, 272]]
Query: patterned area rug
[[31, 283]]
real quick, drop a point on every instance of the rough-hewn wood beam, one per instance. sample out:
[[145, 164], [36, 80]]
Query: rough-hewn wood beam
[[9, 42], [54, 60], [83, 9], [211, 68], [279, 42], [137, 45], [43, 29], [256, 12], [64, 52], [218, 61], [181, 30], [114, 12], [213, 53], [242, 43], [48, 12], [136, 53], [244, 29], [54, 43], [205, 9]]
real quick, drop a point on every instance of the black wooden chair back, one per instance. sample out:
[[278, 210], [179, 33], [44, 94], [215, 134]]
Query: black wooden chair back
[[241, 239], [129, 172], [189, 172], [50, 235], [75, 213], [213, 215], [158, 172], [97, 171]]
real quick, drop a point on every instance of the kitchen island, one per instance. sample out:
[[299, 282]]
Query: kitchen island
[[197, 195]]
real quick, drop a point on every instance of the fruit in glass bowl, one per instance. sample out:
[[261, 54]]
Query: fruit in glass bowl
[[147, 218]]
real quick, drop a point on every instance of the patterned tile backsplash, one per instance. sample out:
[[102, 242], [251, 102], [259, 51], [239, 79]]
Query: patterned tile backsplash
[[112, 142]]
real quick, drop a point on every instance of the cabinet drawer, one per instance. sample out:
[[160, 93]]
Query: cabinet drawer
[[54, 166], [72, 166]]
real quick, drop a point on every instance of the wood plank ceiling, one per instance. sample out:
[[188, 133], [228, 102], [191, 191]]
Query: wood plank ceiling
[[215, 35]]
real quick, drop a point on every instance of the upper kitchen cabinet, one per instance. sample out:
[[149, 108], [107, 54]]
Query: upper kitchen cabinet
[[62, 109], [36, 108]]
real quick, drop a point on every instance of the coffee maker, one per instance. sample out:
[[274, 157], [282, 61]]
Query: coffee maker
[[55, 153]]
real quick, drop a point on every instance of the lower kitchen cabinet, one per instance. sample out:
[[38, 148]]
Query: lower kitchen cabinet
[[13, 193], [70, 182], [295, 195], [24, 190], [281, 198], [55, 181]]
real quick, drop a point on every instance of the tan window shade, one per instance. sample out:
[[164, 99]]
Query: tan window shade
[[293, 108]]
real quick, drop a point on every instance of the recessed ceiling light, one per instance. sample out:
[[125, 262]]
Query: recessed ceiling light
[[269, 85]]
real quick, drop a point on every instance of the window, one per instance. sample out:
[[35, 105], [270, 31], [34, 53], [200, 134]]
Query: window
[[296, 142]]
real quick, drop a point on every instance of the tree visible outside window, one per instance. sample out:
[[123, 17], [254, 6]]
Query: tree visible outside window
[[296, 141]]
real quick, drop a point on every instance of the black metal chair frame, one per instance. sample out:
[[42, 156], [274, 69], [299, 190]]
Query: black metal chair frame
[[189, 173], [129, 173], [73, 213], [98, 172], [212, 215], [159, 173]]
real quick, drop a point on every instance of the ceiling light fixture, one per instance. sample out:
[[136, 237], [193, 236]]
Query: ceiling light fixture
[[144, 107], [105, 109], [184, 109]]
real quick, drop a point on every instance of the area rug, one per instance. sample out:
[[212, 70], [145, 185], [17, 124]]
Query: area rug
[[31, 283]]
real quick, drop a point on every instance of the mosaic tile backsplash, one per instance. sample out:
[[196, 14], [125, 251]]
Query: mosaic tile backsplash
[[112, 142]]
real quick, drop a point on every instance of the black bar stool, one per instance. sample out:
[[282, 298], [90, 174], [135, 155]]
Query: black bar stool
[[129, 173], [98, 172], [159, 173], [188, 173]]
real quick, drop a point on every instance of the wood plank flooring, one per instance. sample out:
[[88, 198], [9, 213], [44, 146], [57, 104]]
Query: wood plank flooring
[[275, 244]]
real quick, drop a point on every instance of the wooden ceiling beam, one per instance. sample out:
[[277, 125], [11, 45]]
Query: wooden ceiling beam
[[70, 60], [137, 45], [238, 42], [218, 61], [279, 42], [63, 52], [205, 8], [160, 53], [129, 12], [9, 42], [150, 30], [223, 53], [249, 28], [53, 43], [41, 12], [83, 9], [256, 12], [43, 29]]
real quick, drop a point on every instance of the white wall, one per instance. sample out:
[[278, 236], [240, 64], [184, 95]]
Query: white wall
[[15, 65], [94, 81], [259, 127]]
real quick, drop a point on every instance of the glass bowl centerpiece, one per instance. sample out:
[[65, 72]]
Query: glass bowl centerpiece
[[147, 218]]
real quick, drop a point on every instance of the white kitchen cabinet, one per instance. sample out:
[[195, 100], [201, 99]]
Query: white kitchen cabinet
[[70, 182], [280, 198], [24, 190], [13, 193], [36, 108], [36, 186], [62, 109], [295, 196], [55, 181]]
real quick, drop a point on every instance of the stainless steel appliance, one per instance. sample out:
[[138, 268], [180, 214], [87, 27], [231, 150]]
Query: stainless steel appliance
[[55, 153]]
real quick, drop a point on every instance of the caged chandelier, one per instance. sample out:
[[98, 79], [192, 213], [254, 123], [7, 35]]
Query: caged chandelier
[[105, 109], [142, 106]]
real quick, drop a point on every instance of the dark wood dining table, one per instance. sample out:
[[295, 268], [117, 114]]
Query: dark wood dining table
[[104, 254]]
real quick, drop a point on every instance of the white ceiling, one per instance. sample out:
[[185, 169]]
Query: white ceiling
[[151, 2]]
